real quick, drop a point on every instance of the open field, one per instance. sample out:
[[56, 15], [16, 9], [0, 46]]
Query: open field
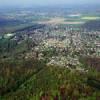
[[90, 18], [58, 20]]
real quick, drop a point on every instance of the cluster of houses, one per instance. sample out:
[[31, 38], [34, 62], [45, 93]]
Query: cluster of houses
[[66, 43]]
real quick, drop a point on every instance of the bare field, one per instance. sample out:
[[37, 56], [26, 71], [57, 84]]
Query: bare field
[[59, 20]]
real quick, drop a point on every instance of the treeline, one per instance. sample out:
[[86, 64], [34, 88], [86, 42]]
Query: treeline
[[6, 45], [93, 25]]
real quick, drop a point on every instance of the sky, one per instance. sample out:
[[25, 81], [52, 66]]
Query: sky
[[26, 3]]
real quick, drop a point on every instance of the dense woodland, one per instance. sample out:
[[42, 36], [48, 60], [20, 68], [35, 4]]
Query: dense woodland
[[93, 25]]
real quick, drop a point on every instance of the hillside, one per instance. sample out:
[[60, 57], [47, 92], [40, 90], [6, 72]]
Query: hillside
[[32, 82]]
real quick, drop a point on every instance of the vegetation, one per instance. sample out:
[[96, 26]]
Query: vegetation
[[92, 25], [32, 80]]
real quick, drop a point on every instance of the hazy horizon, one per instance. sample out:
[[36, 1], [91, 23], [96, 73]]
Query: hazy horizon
[[30, 3]]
